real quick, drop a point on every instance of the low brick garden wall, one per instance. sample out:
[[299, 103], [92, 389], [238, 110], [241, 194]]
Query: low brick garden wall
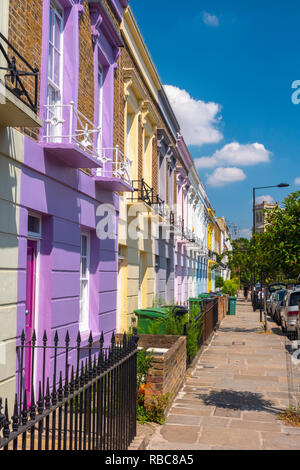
[[168, 368], [168, 365], [222, 307]]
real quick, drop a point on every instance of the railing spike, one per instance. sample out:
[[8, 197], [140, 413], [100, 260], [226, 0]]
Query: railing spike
[[82, 375], [25, 410], [40, 402], [6, 428], [78, 339], [86, 375], [101, 340], [56, 338], [33, 339], [72, 383], [15, 417], [54, 394], [23, 338], [60, 388], [48, 396], [45, 339], [113, 339], [32, 406], [91, 338], [2, 417], [67, 339]]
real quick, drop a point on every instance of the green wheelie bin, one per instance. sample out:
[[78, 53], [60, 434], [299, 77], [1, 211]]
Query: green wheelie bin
[[232, 306], [151, 320]]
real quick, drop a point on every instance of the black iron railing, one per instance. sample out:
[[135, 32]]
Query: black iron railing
[[142, 192], [22, 83], [172, 218], [93, 407]]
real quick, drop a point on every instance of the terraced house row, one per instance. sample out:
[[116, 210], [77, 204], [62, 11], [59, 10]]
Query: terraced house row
[[102, 210]]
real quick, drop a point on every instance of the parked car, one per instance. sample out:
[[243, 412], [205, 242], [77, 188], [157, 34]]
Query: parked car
[[276, 304], [269, 303], [289, 313]]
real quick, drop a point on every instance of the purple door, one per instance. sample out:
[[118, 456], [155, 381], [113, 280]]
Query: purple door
[[29, 314]]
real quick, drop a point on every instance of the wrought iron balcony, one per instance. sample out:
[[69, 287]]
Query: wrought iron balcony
[[71, 137], [116, 171], [142, 192], [18, 88], [172, 218], [159, 206]]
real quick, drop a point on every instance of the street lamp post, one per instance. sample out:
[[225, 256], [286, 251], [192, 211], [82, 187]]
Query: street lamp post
[[281, 185]]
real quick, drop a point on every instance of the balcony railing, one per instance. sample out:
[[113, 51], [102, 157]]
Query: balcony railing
[[19, 76], [66, 125], [117, 165], [142, 192]]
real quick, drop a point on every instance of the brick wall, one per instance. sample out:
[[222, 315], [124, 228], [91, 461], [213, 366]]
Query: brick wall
[[140, 150], [167, 372], [127, 61], [86, 66], [155, 166], [25, 34]]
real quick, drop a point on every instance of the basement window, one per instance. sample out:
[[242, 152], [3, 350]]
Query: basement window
[[34, 226]]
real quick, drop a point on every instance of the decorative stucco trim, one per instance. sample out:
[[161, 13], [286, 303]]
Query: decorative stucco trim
[[102, 23], [138, 49], [133, 81], [149, 112]]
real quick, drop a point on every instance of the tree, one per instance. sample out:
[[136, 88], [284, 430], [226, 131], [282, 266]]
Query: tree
[[281, 241], [239, 260]]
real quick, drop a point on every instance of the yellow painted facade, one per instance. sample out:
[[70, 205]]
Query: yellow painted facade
[[136, 284]]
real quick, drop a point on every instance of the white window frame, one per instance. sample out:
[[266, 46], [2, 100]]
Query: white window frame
[[84, 316], [100, 110], [56, 130]]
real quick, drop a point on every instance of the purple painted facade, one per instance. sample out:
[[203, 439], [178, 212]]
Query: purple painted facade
[[65, 199]]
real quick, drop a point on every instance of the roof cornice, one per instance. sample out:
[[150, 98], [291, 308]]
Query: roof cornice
[[134, 40]]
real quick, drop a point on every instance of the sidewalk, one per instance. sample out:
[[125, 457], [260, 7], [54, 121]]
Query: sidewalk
[[234, 393]]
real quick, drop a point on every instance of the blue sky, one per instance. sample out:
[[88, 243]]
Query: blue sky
[[230, 66]]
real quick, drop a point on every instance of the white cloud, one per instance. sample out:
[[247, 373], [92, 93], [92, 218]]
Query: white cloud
[[210, 20], [198, 120], [236, 154], [297, 181], [268, 199], [224, 176], [244, 232]]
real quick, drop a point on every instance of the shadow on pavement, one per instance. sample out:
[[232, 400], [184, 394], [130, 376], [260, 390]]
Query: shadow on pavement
[[235, 400]]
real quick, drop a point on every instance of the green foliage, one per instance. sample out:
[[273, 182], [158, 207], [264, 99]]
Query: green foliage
[[194, 332], [274, 254], [175, 325], [143, 364], [152, 411], [219, 281], [158, 301], [280, 242], [230, 287]]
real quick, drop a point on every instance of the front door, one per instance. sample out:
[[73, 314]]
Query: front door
[[29, 313]]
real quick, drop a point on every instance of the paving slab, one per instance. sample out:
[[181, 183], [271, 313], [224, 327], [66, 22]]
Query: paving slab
[[232, 397]]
